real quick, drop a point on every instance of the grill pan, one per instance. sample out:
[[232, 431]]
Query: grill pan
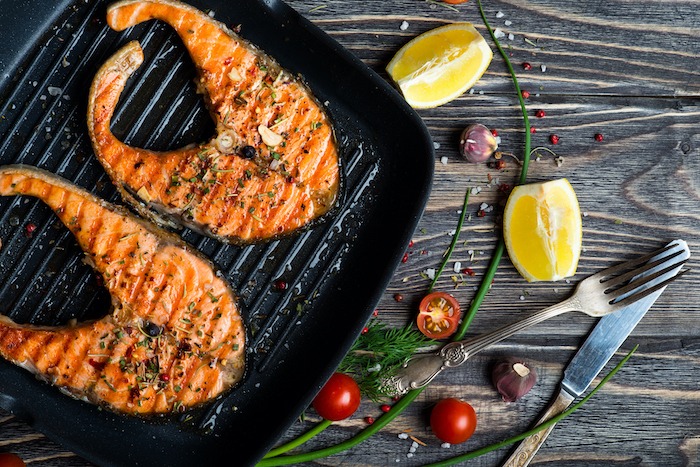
[[336, 270]]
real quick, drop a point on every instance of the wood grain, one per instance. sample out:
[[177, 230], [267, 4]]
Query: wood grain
[[626, 69]]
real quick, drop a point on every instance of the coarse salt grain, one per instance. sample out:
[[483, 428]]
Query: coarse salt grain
[[483, 206], [585, 214], [404, 25], [507, 22], [522, 297], [498, 139], [511, 36], [436, 145], [430, 272], [54, 91], [457, 266], [500, 14], [444, 160], [543, 68], [403, 435], [446, 445], [498, 33]]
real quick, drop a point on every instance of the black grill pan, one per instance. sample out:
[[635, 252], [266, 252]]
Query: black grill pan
[[336, 271]]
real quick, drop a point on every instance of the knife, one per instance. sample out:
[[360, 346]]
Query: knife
[[602, 343]]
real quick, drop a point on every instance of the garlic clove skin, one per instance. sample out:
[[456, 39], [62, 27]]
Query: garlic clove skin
[[513, 378], [477, 143]]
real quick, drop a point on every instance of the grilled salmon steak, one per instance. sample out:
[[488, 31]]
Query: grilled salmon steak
[[272, 166], [174, 338]]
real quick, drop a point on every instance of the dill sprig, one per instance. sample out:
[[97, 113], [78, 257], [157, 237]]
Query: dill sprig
[[378, 353]]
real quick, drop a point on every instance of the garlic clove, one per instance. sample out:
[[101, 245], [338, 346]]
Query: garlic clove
[[513, 378], [269, 137], [226, 142], [477, 143]]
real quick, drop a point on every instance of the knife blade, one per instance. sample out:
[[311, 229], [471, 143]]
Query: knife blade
[[601, 344]]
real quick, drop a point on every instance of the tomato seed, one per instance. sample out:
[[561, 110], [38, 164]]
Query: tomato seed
[[527, 66], [554, 139], [598, 137], [540, 113]]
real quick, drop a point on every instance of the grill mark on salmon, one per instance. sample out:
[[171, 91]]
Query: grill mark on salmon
[[216, 187], [156, 282]]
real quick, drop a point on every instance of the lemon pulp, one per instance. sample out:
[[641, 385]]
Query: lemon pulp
[[542, 230], [440, 65]]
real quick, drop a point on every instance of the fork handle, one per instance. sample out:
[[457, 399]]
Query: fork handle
[[469, 347]]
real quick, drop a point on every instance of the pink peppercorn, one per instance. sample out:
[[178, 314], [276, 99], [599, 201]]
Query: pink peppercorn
[[525, 94], [405, 258], [385, 408], [540, 113], [527, 66], [554, 139], [598, 137]]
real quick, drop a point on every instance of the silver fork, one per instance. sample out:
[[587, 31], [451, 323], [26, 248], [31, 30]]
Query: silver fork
[[597, 295]]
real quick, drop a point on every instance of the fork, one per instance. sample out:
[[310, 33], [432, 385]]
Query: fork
[[597, 295]]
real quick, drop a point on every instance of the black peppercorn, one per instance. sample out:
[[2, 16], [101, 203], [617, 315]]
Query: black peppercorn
[[152, 329], [248, 152]]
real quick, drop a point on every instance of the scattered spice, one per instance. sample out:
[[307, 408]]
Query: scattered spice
[[29, 229]]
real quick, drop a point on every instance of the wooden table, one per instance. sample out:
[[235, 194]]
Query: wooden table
[[626, 70]]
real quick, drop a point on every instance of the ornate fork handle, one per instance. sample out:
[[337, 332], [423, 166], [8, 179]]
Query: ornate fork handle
[[422, 369]]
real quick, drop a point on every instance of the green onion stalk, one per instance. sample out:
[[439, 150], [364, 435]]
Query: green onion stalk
[[274, 458]]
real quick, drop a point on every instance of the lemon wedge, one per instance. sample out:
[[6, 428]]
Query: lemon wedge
[[440, 65], [542, 230]]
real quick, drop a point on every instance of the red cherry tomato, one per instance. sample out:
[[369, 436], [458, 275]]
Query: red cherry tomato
[[438, 315], [338, 399], [10, 460], [453, 420]]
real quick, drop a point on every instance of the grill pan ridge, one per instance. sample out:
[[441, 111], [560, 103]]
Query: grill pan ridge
[[336, 270]]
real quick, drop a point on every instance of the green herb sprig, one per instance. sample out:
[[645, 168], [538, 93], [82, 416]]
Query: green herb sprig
[[378, 353]]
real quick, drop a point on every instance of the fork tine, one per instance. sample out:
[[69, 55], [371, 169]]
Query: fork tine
[[633, 263], [635, 284], [638, 296], [621, 279]]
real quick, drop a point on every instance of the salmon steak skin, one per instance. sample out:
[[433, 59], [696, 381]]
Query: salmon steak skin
[[174, 338], [271, 168]]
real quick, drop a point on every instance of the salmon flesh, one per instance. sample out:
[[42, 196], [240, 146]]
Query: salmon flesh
[[174, 338], [272, 166]]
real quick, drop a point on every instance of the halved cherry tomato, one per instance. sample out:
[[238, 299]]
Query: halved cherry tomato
[[11, 460], [453, 420], [438, 315], [338, 399]]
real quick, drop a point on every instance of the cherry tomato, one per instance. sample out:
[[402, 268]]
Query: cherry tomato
[[453, 420], [338, 399], [438, 315], [10, 460]]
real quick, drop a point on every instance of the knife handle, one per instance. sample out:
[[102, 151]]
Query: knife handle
[[528, 447]]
